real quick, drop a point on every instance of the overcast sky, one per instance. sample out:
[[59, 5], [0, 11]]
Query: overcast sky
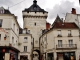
[[54, 7]]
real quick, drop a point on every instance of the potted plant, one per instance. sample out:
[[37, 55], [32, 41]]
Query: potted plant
[[19, 43]]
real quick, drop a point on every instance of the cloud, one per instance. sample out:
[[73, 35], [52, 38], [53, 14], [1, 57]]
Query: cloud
[[16, 7], [61, 9]]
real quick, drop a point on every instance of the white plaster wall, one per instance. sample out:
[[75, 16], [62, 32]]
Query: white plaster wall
[[52, 41], [73, 18], [28, 44], [8, 22]]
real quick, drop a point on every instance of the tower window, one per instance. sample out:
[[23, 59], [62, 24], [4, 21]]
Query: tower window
[[35, 24], [0, 22]]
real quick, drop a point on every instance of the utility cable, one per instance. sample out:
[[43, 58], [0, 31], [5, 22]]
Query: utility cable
[[15, 4]]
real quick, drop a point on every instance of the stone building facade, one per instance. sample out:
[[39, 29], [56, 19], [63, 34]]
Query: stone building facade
[[60, 42], [38, 39]]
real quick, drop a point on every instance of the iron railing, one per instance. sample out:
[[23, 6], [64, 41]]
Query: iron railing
[[66, 46]]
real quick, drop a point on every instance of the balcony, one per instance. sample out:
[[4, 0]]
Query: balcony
[[59, 35], [66, 46], [69, 35]]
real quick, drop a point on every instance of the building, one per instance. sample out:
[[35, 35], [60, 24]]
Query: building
[[25, 44], [38, 39], [60, 42], [73, 17], [9, 35], [17, 43], [34, 20]]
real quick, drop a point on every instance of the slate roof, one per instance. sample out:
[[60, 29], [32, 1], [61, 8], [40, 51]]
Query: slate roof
[[57, 20], [34, 8], [6, 11], [65, 25]]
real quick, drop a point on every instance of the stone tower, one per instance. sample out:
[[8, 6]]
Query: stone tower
[[34, 19]]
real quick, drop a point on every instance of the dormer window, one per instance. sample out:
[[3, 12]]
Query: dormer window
[[1, 11], [35, 8], [24, 31]]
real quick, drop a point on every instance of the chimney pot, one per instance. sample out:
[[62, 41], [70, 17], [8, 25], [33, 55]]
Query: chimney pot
[[73, 11]]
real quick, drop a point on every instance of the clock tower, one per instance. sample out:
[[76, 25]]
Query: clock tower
[[34, 19]]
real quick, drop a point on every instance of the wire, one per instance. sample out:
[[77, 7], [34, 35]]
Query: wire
[[16, 4]]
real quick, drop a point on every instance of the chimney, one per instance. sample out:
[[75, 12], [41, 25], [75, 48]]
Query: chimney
[[73, 11], [47, 26]]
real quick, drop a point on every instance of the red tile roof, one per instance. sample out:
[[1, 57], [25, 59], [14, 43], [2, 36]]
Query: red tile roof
[[65, 25]]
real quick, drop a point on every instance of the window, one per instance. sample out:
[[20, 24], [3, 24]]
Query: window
[[35, 8], [59, 43], [25, 48], [0, 22], [45, 38], [0, 36], [5, 37], [59, 33], [1, 11], [14, 27], [25, 39], [13, 40], [24, 31], [69, 32], [28, 31], [35, 24], [70, 43], [45, 42]]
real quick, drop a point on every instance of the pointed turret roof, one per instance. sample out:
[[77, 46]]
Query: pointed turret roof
[[57, 20], [34, 8]]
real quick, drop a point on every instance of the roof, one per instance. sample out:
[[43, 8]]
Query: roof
[[65, 25], [34, 8], [57, 20], [6, 11]]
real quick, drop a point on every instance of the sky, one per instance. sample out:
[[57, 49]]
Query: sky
[[54, 7]]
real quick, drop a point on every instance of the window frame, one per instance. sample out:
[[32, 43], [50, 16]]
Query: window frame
[[25, 39], [59, 43], [0, 37], [59, 32], [70, 42], [1, 20], [25, 48]]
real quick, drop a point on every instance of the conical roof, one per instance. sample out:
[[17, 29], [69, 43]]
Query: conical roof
[[34, 8]]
